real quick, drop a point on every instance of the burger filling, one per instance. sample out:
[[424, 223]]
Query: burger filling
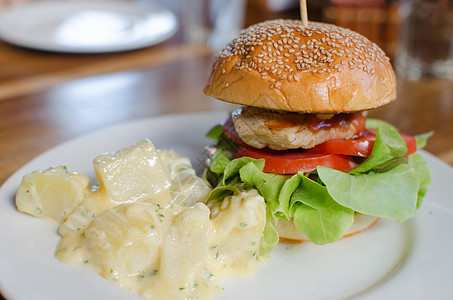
[[320, 191], [280, 130]]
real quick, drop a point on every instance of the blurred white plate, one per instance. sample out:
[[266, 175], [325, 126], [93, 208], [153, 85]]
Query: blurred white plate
[[87, 26], [392, 260]]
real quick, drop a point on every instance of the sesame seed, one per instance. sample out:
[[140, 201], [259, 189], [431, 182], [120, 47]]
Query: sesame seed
[[323, 48]]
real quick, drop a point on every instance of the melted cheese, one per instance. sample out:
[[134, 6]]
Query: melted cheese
[[154, 235]]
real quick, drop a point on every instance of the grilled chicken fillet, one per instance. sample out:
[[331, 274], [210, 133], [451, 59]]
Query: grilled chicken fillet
[[281, 130]]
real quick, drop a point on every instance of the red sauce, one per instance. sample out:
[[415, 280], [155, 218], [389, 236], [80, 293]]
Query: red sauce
[[279, 124], [314, 124]]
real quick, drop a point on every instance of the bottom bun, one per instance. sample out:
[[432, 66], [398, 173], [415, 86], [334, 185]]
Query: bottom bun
[[289, 234]]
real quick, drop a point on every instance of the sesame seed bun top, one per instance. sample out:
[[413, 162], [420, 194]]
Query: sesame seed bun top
[[320, 68]]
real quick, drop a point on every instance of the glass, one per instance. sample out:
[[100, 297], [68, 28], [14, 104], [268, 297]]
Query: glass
[[214, 22], [426, 41]]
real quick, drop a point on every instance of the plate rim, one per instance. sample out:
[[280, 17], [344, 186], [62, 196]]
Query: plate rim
[[10, 37]]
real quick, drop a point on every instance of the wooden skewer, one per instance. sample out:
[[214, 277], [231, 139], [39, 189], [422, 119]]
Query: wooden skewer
[[303, 12]]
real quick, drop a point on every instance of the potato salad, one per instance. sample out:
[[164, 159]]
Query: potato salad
[[145, 226]]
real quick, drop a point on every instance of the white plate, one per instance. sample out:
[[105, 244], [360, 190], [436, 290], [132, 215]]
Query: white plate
[[87, 26], [411, 260]]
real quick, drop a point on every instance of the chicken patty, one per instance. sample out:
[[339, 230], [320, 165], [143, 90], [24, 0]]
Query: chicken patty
[[280, 130]]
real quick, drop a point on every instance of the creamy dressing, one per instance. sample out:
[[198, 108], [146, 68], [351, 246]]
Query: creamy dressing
[[146, 229]]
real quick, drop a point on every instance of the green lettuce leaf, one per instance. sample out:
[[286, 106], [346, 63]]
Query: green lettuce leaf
[[232, 169], [423, 171], [391, 194], [215, 132], [219, 193], [317, 215], [219, 161], [388, 145], [391, 164], [286, 193], [422, 139], [269, 185], [223, 151], [375, 123], [269, 240]]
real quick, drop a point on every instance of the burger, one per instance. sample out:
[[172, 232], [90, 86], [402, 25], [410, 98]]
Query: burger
[[300, 135]]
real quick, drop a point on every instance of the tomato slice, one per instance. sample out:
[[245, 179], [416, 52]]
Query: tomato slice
[[336, 154], [362, 145], [293, 161]]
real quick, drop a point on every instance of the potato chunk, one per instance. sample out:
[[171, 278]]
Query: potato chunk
[[132, 174], [184, 249], [52, 194], [239, 223], [124, 241]]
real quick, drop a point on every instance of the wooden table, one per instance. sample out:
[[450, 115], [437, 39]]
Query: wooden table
[[49, 98]]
